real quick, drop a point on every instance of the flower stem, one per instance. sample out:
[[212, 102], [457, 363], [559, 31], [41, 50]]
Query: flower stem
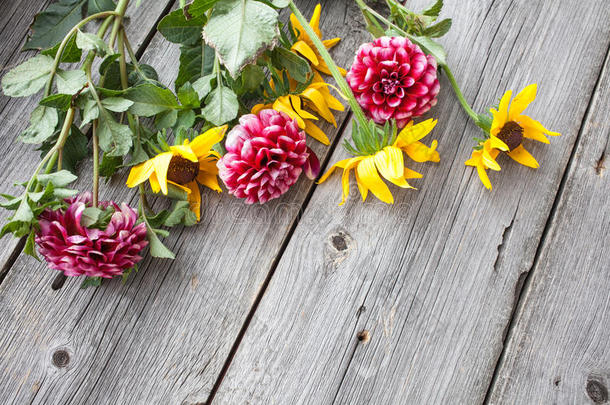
[[332, 66], [96, 164], [118, 21], [459, 95]]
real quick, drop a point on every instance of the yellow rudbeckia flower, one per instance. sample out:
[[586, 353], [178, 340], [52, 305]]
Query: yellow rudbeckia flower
[[316, 96], [389, 163], [304, 45], [508, 129], [184, 166]]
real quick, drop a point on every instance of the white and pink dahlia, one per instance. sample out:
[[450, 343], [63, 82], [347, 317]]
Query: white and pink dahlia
[[76, 250], [266, 154], [393, 79]]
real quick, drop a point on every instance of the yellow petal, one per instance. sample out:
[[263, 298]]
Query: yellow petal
[[496, 143], [298, 28], [319, 104], [520, 155], [412, 174], [412, 133], [351, 163], [503, 107], [521, 101], [364, 192], [202, 144], [296, 106], [305, 51], [341, 164], [314, 23], [535, 135], [140, 173], [489, 161], [161, 163], [483, 176], [390, 163], [208, 166], [329, 43], [367, 173], [259, 107], [154, 183], [209, 180], [527, 122], [283, 104], [185, 151], [194, 199], [421, 153], [316, 133]]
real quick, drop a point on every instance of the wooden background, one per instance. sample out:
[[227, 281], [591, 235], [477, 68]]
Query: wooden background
[[453, 295]]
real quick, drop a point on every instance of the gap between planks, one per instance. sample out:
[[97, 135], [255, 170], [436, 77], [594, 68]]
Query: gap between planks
[[518, 305]]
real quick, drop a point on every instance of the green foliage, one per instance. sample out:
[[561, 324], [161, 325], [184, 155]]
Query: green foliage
[[70, 81], [51, 26], [371, 138], [240, 30], [96, 218], [176, 28], [70, 54], [42, 125], [222, 106], [99, 6], [297, 67], [28, 78], [115, 138], [149, 100], [91, 282], [91, 42]]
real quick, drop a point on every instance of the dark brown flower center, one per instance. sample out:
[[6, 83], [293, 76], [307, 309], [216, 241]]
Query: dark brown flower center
[[511, 134], [181, 170]]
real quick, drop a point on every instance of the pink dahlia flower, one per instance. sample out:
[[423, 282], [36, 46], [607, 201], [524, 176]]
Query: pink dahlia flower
[[393, 79], [266, 154], [69, 247]]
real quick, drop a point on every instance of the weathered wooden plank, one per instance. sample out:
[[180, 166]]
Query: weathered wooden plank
[[164, 336], [433, 279], [559, 349], [20, 160]]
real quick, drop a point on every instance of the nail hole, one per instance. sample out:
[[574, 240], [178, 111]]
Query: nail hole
[[61, 358], [597, 391], [339, 242], [58, 282], [361, 310], [364, 336], [557, 381]]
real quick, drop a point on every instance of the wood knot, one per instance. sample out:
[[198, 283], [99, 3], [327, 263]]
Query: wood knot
[[364, 336], [61, 358], [339, 242], [597, 391]]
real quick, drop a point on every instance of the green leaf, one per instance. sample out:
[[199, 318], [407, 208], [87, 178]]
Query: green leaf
[[297, 67], [166, 119], [203, 85], [24, 212], [251, 77], [109, 165], [193, 65], [91, 42], [434, 10], [240, 30], [221, 106], [116, 104], [99, 6], [149, 100], [188, 96], [52, 25], [431, 47], [176, 28], [42, 125], [89, 111], [70, 81], [181, 214], [59, 179], [186, 119], [29, 77], [59, 101], [91, 282], [30, 246], [75, 149], [71, 53], [115, 139], [438, 30], [157, 248], [198, 8], [96, 218]]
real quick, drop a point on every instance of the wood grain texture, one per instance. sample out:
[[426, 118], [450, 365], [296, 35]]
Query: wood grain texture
[[19, 160], [434, 278], [559, 350], [164, 336]]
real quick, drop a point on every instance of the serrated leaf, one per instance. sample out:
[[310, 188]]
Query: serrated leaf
[[431, 47], [188, 96], [240, 30], [199, 7], [91, 42], [53, 24], [186, 119], [42, 125], [116, 104], [75, 149], [434, 10], [149, 100], [28, 78], [61, 102], [91, 282], [70, 54], [221, 106], [203, 85], [251, 77], [297, 67], [99, 6], [70, 81], [192, 67], [30, 246], [438, 30], [115, 139], [59, 179], [176, 28], [166, 119], [157, 248], [109, 165], [181, 214], [89, 112]]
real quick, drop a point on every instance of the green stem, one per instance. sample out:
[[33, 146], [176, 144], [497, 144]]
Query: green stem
[[96, 164], [459, 95], [118, 22], [64, 43], [332, 66]]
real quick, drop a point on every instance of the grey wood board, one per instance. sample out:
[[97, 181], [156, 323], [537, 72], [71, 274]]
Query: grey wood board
[[434, 278], [164, 336], [19, 160], [559, 348]]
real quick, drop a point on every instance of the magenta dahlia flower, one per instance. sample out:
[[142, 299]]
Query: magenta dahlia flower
[[393, 79], [76, 250], [266, 154]]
